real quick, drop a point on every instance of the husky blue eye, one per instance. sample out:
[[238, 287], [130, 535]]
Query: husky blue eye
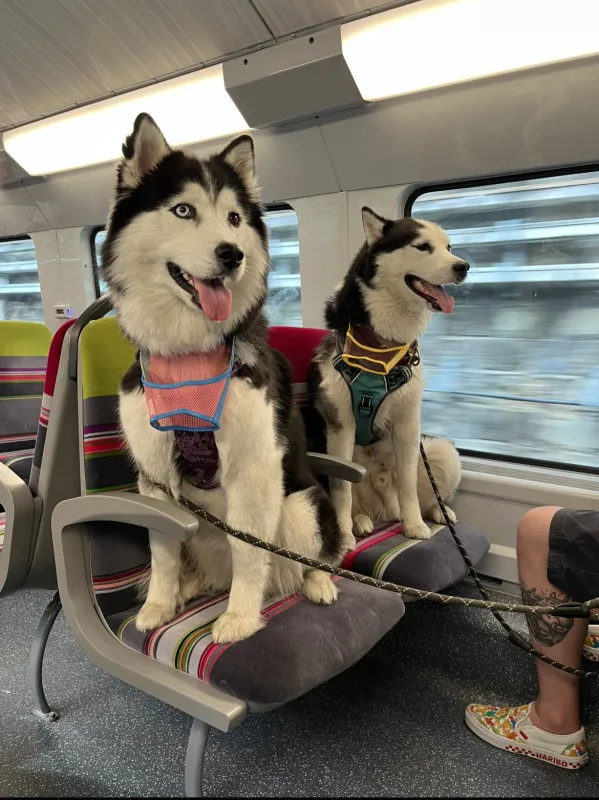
[[183, 211], [234, 219]]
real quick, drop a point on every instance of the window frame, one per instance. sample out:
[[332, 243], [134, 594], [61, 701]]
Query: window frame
[[492, 180]]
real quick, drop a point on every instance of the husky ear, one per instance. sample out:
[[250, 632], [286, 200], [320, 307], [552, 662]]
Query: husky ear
[[142, 150], [374, 226], [239, 154]]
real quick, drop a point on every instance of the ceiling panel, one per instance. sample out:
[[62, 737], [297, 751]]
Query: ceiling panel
[[55, 53], [287, 16]]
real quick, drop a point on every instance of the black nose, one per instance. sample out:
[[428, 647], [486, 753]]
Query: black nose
[[229, 255], [461, 270]]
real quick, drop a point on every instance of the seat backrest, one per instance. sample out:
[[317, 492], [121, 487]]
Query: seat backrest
[[48, 393], [23, 358], [298, 345], [119, 552]]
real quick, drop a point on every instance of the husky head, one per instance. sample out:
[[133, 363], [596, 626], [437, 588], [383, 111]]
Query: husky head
[[396, 279], [185, 256]]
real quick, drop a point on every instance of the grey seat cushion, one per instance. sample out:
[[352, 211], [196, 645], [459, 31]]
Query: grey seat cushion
[[432, 564], [301, 646]]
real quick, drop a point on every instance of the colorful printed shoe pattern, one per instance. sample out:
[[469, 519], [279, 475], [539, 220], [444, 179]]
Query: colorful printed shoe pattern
[[511, 729], [591, 644]]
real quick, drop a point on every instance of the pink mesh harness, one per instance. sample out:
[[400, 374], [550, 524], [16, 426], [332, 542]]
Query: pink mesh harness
[[186, 394]]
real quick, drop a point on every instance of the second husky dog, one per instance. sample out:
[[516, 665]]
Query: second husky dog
[[366, 377]]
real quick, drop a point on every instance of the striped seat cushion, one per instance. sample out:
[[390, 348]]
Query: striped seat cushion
[[431, 564], [302, 645]]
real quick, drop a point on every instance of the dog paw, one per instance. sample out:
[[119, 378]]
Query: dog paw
[[363, 525], [437, 515], [319, 588], [230, 627], [153, 615], [417, 531]]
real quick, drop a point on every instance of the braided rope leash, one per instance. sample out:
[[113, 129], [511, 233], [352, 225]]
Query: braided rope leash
[[566, 609]]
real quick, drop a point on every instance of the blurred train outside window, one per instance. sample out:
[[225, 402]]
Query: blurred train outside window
[[20, 291], [513, 372], [284, 303]]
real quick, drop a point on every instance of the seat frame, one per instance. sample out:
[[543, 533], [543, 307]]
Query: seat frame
[[71, 519]]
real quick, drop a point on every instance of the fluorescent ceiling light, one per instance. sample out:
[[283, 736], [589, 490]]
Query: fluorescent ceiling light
[[439, 42], [190, 108]]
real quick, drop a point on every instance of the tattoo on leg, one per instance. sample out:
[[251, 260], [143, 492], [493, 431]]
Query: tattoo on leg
[[549, 631]]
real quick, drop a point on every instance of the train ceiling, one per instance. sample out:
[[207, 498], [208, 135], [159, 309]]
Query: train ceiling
[[58, 54]]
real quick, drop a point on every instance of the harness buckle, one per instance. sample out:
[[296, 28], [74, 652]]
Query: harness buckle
[[365, 406]]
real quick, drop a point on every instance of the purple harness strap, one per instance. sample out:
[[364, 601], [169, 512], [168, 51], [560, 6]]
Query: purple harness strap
[[200, 454]]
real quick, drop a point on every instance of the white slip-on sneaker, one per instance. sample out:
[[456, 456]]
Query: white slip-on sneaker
[[511, 729], [591, 644]]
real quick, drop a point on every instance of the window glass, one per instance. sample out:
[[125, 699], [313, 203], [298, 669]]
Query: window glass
[[98, 238], [514, 371], [20, 291], [283, 306]]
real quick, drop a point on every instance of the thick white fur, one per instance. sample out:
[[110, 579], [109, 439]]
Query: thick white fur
[[375, 499], [397, 315], [160, 317], [250, 499]]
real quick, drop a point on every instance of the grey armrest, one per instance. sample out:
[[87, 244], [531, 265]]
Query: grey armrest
[[70, 537], [322, 464], [133, 509], [19, 507]]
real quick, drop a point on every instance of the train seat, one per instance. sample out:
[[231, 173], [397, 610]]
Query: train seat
[[101, 546], [23, 361], [433, 564]]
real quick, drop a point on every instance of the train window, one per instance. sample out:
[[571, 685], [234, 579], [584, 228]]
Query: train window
[[283, 306], [513, 373], [20, 291], [98, 237]]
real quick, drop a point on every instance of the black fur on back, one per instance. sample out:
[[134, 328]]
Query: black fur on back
[[347, 305]]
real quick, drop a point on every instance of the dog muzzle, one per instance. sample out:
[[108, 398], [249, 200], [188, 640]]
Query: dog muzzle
[[188, 392]]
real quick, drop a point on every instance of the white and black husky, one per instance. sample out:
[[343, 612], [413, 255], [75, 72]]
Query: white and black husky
[[386, 301], [186, 261]]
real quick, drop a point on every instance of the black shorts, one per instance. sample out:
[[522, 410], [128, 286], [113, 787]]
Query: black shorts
[[573, 564]]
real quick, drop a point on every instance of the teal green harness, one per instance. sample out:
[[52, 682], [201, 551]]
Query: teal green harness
[[368, 390]]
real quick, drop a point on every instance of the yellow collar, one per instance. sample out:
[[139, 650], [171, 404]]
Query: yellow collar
[[379, 360]]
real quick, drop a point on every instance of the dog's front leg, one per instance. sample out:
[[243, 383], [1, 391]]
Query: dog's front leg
[[406, 440], [154, 455], [340, 444], [252, 478]]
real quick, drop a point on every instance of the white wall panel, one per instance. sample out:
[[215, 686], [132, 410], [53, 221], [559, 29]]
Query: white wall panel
[[18, 213], [322, 251], [540, 118], [72, 199], [50, 274], [76, 266]]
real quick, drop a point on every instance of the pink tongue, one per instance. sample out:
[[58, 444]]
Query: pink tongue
[[444, 300], [216, 301]]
